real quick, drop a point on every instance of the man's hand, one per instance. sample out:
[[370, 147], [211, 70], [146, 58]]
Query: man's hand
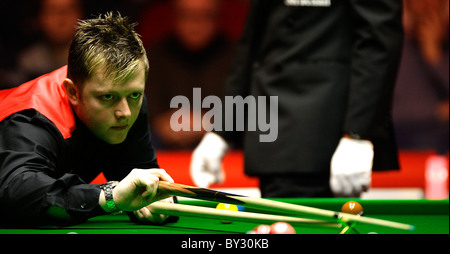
[[145, 214], [351, 167], [139, 189]]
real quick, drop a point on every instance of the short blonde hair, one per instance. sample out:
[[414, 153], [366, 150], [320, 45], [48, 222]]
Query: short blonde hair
[[109, 44]]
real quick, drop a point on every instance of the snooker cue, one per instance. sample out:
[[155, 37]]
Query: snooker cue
[[227, 215], [269, 205]]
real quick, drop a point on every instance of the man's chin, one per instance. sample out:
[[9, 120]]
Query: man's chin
[[115, 140]]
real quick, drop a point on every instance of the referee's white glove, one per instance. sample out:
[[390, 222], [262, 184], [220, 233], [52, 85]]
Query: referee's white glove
[[206, 162], [351, 167]]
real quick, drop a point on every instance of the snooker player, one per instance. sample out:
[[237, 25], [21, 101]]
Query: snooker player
[[59, 131]]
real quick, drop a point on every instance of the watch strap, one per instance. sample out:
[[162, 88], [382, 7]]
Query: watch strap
[[108, 190]]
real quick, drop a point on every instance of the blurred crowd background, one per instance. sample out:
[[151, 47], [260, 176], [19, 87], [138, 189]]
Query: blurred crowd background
[[190, 44]]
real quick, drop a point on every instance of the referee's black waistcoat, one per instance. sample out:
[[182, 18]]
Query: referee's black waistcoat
[[333, 65]]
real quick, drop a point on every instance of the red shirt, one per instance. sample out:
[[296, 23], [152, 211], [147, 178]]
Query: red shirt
[[46, 95]]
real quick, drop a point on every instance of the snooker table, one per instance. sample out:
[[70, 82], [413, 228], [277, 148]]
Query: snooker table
[[428, 217]]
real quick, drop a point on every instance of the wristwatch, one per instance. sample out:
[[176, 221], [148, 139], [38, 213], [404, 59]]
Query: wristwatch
[[108, 189]]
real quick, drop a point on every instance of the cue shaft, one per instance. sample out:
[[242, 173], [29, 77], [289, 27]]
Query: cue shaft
[[291, 209], [269, 205], [227, 215]]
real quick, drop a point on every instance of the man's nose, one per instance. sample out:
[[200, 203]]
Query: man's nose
[[122, 109]]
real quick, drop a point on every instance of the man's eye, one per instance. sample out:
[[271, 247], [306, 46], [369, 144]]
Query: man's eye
[[135, 96], [107, 97]]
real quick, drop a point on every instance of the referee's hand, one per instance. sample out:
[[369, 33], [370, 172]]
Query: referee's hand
[[351, 167], [206, 161]]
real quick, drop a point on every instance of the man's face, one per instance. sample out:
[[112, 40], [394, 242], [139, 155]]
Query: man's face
[[110, 109]]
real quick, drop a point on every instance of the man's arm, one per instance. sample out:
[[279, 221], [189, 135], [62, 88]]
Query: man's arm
[[33, 190], [378, 38]]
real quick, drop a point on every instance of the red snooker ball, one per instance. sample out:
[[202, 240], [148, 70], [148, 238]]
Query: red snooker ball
[[260, 229], [281, 228]]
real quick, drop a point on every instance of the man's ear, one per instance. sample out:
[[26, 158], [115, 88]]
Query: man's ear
[[72, 91]]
